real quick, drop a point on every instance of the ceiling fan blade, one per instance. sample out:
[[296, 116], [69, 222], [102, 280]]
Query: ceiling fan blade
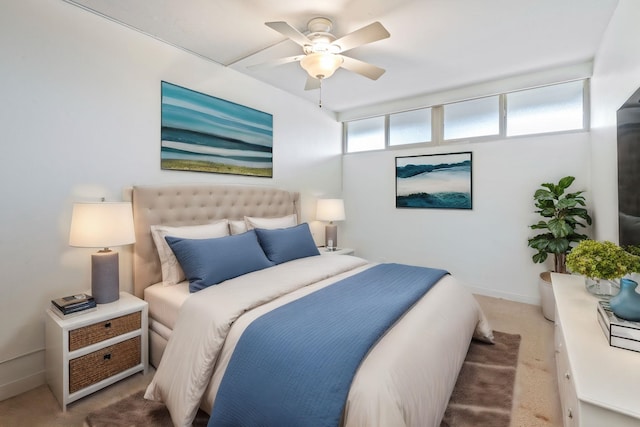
[[275, 62], [362, 68], [368, 34], [290, 32], [312, 83]]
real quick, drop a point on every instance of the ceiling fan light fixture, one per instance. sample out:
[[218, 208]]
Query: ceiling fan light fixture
[[321, 65]]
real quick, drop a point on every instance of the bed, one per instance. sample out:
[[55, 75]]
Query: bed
[[405, 379]]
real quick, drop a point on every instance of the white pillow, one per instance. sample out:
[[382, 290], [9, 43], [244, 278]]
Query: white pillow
[[172, 273], [271, 223], [237, 226]]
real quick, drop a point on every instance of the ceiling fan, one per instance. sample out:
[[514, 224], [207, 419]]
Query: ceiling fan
[[323, 51]]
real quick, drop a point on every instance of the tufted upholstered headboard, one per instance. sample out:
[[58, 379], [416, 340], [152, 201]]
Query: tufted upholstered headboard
[[192, 205]]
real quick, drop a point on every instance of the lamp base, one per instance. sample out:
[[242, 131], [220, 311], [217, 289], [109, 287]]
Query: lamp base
[[331, 236], [105, 277]]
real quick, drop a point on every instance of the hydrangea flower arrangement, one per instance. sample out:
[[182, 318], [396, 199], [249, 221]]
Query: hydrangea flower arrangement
[[602, 260]]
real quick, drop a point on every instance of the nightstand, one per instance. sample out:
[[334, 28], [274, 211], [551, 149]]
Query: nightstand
[[339, 251], [90, 351]]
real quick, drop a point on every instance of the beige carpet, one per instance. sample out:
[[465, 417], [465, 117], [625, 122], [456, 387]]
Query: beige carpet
[[536, 402], [536, 398], [482, 396]]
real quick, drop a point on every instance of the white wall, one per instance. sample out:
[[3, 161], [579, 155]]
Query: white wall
[[616, 76], [80, 119], [486, 247]]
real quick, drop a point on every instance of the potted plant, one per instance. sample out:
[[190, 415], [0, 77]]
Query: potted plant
[[603, 264], [562, 214]]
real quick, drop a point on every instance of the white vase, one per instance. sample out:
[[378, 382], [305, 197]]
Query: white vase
[[547, 299]]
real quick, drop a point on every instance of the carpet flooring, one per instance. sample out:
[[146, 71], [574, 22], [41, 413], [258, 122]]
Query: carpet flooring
[[483, 394]]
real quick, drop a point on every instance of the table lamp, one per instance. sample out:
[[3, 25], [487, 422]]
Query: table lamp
[[330, 210], [102, 225]]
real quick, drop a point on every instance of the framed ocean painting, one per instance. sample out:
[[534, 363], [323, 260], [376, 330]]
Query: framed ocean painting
[[203, 133], [440, 181]]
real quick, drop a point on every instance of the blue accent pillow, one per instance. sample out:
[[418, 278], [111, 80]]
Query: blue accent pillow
[[286, 244], [208, 262]]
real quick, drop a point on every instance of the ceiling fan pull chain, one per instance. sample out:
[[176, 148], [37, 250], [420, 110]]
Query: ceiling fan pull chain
[[320, 98]]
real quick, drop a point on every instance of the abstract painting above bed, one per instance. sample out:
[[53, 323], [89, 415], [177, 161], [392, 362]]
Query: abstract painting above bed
[[202, 133]]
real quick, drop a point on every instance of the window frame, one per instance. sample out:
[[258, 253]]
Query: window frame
[[585, 106], [500, 113], [345, 135], [437, 122], [410, 144]]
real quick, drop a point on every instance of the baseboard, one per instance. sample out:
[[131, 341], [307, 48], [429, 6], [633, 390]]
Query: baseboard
[[22, 385], [505, 295], [22, 374]]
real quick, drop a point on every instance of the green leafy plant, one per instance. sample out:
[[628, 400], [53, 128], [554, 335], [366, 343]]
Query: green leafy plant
[[633, 249], [635, 252], [602, 260], [563, 214]]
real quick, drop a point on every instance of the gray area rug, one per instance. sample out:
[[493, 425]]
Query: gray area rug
[[482, 396], [136, 411]]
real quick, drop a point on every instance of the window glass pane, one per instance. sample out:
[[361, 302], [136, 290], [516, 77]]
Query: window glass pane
[[410, 127], [545, 109], [477, 117], [365, 134]]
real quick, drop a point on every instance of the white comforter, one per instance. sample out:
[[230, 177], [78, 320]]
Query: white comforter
[[406, 380]]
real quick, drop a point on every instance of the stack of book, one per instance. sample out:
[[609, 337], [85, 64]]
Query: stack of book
[[73, 305], [619, 332]]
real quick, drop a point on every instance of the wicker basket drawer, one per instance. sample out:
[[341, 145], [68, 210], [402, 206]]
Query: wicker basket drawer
[[104, 363], [91, 334]]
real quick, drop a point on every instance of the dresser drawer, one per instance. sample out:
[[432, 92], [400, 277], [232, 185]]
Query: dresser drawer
[[104, 363], [97, 332], [568, 398]]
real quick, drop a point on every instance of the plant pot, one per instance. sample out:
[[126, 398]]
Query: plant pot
[[547, 299]]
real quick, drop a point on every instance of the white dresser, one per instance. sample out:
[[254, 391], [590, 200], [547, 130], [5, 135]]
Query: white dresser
[[599, 385]]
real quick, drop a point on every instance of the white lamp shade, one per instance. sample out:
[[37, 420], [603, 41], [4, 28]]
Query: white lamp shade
[[321, 65], [330, 210], [101, 225]]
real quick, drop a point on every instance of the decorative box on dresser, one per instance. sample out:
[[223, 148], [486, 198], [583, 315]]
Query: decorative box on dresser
[[598, 384], [92, 350]]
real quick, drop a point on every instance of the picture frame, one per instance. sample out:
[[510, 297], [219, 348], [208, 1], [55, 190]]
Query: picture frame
[[434, 181], [202, 133]]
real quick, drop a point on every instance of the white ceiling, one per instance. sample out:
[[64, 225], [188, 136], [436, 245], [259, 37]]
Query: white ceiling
[[435, 45]]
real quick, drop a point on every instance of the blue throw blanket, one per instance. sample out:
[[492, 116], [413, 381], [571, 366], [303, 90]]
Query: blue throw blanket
[[294, 365]]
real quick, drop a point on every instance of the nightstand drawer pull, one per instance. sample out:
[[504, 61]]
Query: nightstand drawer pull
[[97, 366], [91, 334]]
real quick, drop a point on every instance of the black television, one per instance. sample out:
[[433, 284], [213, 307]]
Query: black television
[[628, 124]]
